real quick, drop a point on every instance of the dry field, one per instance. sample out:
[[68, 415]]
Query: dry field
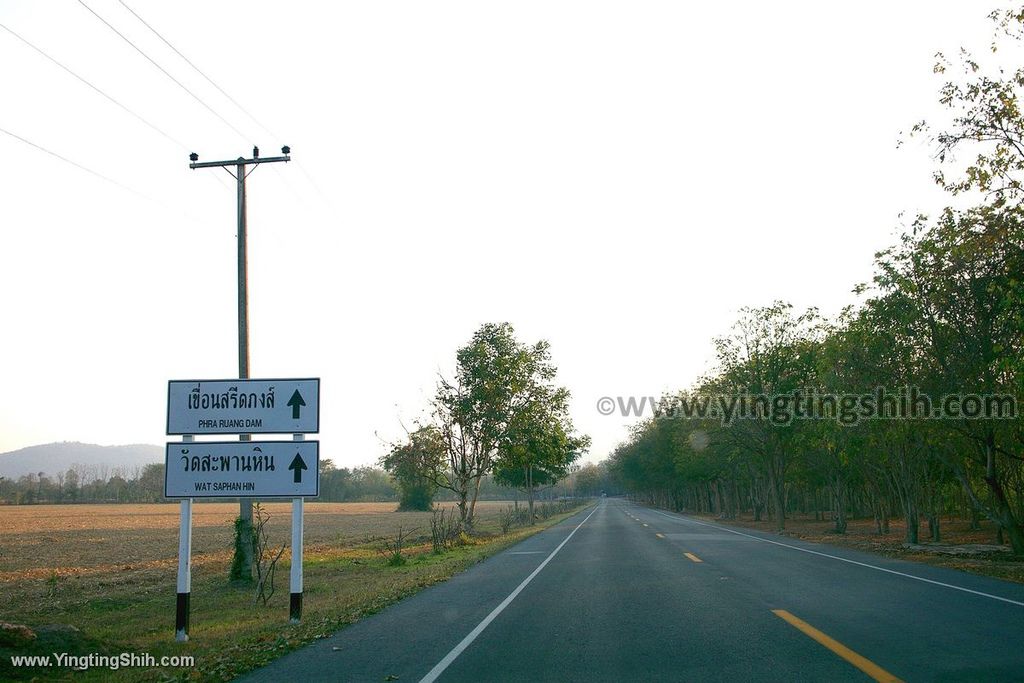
[[37, 541], [109, 571]]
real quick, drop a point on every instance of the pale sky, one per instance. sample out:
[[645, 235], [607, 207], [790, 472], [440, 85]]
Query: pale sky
[[616, 177]]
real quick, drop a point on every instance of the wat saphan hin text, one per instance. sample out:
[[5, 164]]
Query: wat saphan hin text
[[254, 462]]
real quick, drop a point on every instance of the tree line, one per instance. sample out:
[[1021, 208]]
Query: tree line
[[98, 484], [361, 484], [944, 314], [85, 484], [103, 484]]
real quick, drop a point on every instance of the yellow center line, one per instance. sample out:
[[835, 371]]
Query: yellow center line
[[693, 558], [867, 666], [660, 535]]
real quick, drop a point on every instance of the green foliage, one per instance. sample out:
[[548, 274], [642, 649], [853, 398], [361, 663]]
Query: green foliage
[[411, 465], [502, 412], [356, 485]]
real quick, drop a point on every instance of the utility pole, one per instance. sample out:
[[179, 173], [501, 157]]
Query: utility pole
[[241, 566]]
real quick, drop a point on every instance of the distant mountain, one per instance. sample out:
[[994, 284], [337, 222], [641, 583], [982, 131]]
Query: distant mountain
[[52, 458]]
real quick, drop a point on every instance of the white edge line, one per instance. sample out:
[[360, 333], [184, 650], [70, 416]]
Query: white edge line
[[468, 640], [844, 559]]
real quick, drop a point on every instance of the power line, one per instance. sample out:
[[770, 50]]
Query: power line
[[96, 88], [80, 78], [235, 102], [198, 70], [164, 71], [225, 94], [76, 165], [96, 174]]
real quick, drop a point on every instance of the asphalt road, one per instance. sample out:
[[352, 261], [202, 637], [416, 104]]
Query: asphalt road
[[621, 592]]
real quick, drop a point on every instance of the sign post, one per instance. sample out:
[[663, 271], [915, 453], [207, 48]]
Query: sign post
[[295, 597], [181, 611], [241, 469]]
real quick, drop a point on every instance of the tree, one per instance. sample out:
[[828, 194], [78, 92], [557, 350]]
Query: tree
[[984, 119], [482, 411], [961, 278], [151, 481], [539, 446], [411, 463], [592, 479], [768, 354], [71, 483]]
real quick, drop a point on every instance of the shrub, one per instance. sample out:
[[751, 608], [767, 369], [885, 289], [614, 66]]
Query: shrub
[[392, 549], [445, 528]]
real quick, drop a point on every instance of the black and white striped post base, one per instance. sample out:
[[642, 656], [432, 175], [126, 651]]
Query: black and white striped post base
[[295, 603], [298, 509], [181, 612], [181, 617]]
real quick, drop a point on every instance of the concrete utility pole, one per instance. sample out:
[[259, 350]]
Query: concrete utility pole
[[243, 558]]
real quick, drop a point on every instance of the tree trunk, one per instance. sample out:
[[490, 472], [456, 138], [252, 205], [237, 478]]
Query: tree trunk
[[840, 521], [472, 502], [463, 507], [778, 503], [913, 524], [1007, 522], [756, 496], [777, 484], [975, 519], [528, 471]]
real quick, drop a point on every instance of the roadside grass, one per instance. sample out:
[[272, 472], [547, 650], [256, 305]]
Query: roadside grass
[[130, 608], [861, 535]]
